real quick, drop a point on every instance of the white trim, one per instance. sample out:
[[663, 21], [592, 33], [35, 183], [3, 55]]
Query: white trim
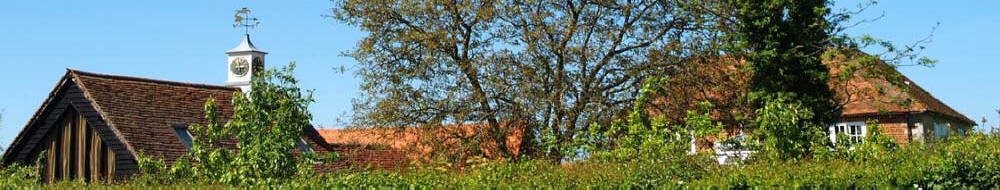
[[855, 134]]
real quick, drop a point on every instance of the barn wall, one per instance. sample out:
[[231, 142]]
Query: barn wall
[[75, 151], [45, 134]]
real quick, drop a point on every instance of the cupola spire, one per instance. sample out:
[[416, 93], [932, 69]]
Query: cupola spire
[[245, 59]]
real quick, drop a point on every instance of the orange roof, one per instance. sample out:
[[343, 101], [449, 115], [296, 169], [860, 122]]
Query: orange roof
[[723, 83], [872, 96], [420, 142]]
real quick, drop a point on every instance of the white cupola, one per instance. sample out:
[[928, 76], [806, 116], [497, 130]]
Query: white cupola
[[243, 62]]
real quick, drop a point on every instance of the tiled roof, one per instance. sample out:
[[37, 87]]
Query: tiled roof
[[142, 111], [416, 142], [721, 82], [364, 157], [873, 96]]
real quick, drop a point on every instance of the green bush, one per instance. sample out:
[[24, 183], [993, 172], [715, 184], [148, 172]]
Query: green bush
[[958, 163], [16, 176], [971, 162]]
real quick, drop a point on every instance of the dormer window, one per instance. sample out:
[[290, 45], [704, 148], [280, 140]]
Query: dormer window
[[183, 134], [304, 147]]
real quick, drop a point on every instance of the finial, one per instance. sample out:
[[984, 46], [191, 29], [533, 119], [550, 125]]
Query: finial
[[245, 21]]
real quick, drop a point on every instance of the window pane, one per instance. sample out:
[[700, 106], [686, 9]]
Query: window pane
[[183, 135], [304, 147]]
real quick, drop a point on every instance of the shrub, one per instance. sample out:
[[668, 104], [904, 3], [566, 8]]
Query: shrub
[[972, 162], [783, 125], [18, 177]]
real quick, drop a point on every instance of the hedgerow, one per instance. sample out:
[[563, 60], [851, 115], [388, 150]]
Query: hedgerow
[[970, 162]]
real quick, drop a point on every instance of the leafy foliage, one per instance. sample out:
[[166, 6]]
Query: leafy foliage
[[642, 137], [971, 162], [268, 123], [17, 176], [267, 126], [782, 40], [556, 67], [583, 77], [784, 128]]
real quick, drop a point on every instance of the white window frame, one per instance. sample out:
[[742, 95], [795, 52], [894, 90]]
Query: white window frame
[[857, 136]]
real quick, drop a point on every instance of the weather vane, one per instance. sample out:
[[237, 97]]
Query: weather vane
[[245, 21]]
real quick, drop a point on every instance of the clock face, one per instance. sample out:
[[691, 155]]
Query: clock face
[[239, 67], [258, 64]]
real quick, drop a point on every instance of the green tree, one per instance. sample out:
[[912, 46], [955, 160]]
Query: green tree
[[783, 41], [267, 124], [556, 67], [642, 137]]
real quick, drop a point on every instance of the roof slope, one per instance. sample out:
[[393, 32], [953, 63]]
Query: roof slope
[[865, 93], [420, 142], [142, 111], [876, 95], [138, 113]]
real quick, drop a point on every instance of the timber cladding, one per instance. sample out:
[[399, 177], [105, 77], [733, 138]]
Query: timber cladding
[[75, 151], [75, 139]]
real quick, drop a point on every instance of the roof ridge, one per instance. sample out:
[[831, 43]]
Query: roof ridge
[[150, 80]]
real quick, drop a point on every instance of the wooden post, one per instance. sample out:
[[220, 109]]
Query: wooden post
[[67, 132], [95, 156], [111, 164], [50, 159], [81, 147], [103, 161]]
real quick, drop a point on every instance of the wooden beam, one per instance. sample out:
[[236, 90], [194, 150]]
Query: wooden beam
[[111, 164], [95, 155], [104, 161], [64, 154], [81, 147], [50, 159], [71, 158]]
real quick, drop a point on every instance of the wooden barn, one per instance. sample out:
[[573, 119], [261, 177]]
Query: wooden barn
[[94, 126]]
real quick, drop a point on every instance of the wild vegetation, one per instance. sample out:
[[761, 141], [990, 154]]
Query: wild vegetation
[[587, 79], [969, 162]]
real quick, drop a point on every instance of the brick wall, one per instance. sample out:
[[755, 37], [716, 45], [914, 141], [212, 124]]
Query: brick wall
[[894, 126]]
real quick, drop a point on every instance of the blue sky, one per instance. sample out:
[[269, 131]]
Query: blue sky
[[185, 41]]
